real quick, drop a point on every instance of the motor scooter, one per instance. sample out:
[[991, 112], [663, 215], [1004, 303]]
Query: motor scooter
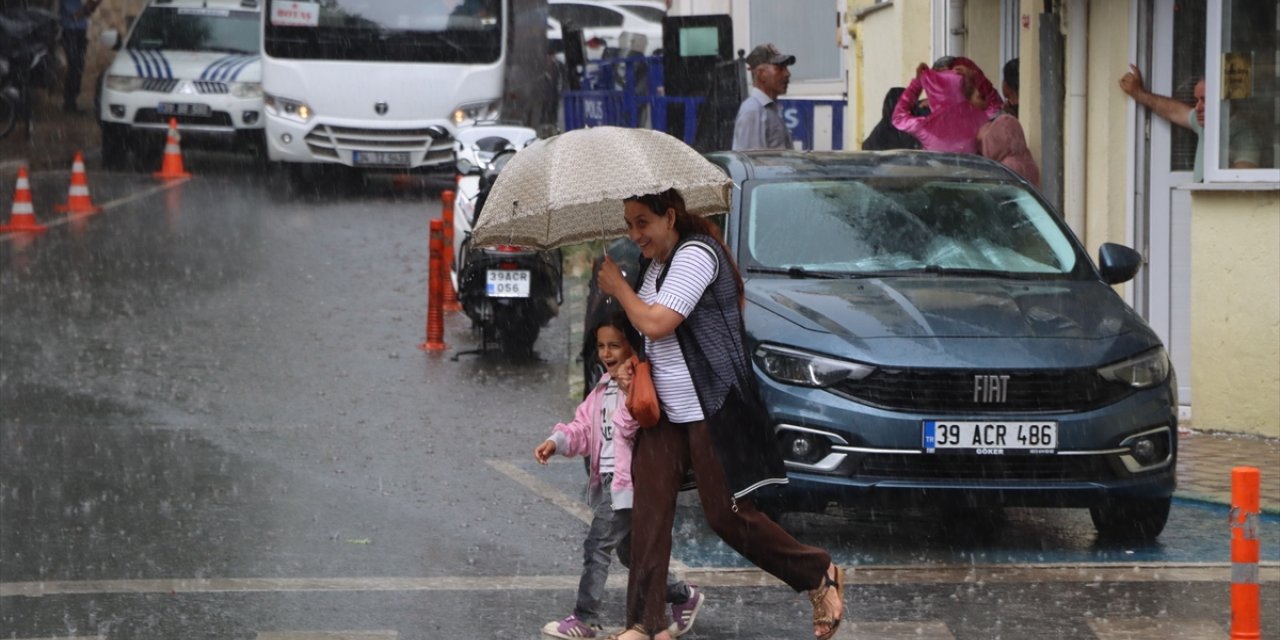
[[27, 36], [508, 292]]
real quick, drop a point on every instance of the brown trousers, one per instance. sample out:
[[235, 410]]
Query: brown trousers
[[662, 455]]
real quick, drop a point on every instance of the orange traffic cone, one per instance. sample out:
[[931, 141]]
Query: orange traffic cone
[[78, 201], [23, 217], [172, 167]]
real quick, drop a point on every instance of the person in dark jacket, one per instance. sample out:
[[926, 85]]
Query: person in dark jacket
[[885, 136], [689, 309]]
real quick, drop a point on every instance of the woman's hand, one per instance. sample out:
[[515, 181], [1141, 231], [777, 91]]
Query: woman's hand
[[610, 278], [622, 374], [921, 68], [544, 451]]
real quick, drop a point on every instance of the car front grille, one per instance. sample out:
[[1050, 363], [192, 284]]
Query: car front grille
[[934, 390], [205, 86], [215, 119], [159, 85], [326, 140], [972, 467]]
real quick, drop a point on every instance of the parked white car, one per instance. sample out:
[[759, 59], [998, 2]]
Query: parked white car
[[603, 24], [196, 61]]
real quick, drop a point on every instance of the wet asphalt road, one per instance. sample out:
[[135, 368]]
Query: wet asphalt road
[[215, 423]]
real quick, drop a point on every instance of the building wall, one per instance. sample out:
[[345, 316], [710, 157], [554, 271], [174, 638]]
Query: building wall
[[1235, 311], [894, 40], [1106, 109], [111, 14]]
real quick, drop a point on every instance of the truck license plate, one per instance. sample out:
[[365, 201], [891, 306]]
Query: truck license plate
[[507, 283], [380, 158], [990, 438], [183, 109]]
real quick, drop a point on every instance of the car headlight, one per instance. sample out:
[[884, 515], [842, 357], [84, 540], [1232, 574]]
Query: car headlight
[[475, 112], [793, 366], [124, 83], [1143, 371], [286, 108], [246, 89]]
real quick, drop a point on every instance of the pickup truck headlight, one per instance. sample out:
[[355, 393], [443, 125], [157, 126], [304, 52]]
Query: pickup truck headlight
[[125, 84], [792, 366], [286, 108], [246, 89], [475, 112], [1142, 371]]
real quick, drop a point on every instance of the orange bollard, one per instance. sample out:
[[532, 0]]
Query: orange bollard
[[450, 293], [1245, 591], [22, 218], [171, 168], [435, 291], [78, 200]]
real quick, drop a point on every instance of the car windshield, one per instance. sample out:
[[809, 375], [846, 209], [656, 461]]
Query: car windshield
[[886, 226], [191, 29], [446, 31]]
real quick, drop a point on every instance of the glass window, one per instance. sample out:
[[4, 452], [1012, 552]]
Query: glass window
[[1242, 97], [1188, 69], [196, 30], [1249, 77], [803, 34]]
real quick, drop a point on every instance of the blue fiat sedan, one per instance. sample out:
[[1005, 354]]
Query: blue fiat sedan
[[926, 330]]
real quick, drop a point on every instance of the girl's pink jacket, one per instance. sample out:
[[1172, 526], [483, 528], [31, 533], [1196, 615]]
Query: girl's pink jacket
[[583, 437], [953, 123]]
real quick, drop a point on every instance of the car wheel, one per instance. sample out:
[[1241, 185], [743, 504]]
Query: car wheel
[[1131, 520], [115, 147]]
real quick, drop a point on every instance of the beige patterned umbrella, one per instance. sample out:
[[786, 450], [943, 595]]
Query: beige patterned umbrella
[[569, 188]]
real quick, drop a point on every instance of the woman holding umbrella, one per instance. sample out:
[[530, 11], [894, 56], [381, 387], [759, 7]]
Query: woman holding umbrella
[[713, 423]]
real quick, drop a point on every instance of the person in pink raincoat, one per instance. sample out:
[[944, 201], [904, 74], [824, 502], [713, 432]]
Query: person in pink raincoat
[[960, 102]]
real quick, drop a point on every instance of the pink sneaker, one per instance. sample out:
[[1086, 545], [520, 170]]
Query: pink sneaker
[[570, 628], [683, 615]]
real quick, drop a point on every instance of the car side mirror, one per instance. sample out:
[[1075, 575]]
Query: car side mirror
[[1118, 263], [110, 39]]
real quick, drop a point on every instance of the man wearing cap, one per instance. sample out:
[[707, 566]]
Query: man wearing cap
[[759, 124]]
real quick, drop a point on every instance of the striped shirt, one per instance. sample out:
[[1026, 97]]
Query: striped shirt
[[690, 272]]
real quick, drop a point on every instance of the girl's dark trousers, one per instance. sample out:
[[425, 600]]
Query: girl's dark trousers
[[662, 455]]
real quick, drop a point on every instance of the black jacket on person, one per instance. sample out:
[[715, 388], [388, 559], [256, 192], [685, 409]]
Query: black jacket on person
[[885, 136]]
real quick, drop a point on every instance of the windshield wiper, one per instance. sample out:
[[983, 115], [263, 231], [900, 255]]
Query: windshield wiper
[[799, 273], [936, 269]]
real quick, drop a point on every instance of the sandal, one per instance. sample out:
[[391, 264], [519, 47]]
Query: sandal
[[638, 628], [821, 615]]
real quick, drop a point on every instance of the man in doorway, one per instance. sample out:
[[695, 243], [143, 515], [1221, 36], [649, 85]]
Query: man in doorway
[[1243, 149], [74, 16], [759, 124]]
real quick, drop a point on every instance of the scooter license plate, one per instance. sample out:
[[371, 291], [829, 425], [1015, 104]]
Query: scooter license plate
[[507, 283]]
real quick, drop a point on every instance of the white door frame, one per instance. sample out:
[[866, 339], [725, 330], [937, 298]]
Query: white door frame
[[1161, 215]]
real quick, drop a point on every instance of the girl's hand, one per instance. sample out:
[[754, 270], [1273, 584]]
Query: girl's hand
[[921, 68], [545, 451], [622, 374], [610, 278]]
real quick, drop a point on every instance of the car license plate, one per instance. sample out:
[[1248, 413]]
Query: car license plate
[[990, 438], [507, 283], [183, 109], [380, 158]]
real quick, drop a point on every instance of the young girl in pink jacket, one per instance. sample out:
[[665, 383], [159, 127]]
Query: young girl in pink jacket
[[604, 431]]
